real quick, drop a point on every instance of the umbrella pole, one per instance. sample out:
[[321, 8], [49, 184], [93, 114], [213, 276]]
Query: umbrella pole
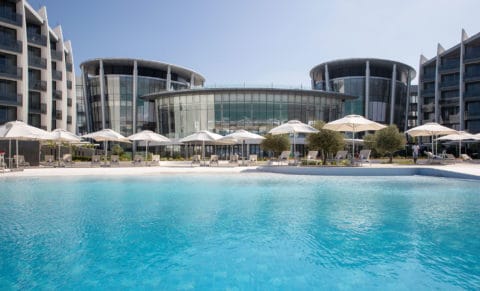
[[243, 156], [10, 153], [203, 152], [146, 151], [16, 160], [106, 145], [353, 146], [58, 154]]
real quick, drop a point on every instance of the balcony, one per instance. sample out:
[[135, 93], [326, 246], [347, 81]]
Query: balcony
[[472, 76], [13, 72], [57, 75], [475, 93], [69, 119], [472, 115], [429, 91], [35, 108], [449, 67], [38, 39], [449, 84], [57, 55], [43, 108], [69, 102], [11, 45], [12, 18], [69, 67], [37, 85], [454, 118], [428, 78], [37, 62], [472, 54], [69, 84], [7, 99], [57, 94], [58, 114], [178, 85]]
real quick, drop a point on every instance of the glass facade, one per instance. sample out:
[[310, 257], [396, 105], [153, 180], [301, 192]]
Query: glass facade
[[258, 111], [350, 77], [124, 111]]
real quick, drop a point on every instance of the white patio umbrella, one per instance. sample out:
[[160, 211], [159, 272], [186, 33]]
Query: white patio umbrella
[[61, 135], [430, 129], [148, 136], [18, 130], [106, 135], [294, 127], [460, 136], [242, 136], [353, 123], [201, 136]]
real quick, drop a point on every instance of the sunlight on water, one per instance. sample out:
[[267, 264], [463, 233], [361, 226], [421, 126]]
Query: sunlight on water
[[244, 231]]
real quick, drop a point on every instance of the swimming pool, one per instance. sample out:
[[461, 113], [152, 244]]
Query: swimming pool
[[244, 231]]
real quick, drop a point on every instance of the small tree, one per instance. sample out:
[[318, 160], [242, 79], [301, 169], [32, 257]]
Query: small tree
[[326, 141], [275, 143], [117, 150], [389, 140]]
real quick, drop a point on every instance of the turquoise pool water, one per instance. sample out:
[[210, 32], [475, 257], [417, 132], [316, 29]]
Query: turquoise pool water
[[240, 232]]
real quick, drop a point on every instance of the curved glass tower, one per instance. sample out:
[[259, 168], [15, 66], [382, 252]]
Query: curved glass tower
[[379, 97], [112, 88]]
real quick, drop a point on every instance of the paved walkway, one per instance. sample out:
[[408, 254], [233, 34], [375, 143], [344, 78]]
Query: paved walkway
[[459, 170]]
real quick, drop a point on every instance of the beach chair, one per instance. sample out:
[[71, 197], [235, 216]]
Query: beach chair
[[311, 157], [21, 161], [283, 157], [433, 159], [233, 159], [213, 160], [49, 160], [448, 158], [465, 158], [95, 160], [155, 160], [196, 159], [137, 160], [252, 160], [114, 160], [67, 160], [341, 155], [364, 156]]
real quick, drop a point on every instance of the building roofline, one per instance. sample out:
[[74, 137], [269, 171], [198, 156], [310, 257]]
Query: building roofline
[[372, 60], [156, 64], [317, 93]]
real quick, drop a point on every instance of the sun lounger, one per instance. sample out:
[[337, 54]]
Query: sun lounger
[[21, 161], [95, 160], [137, 160], [284, 156], [433, 159], [114, 160], [213, 160], [364, 156], [465, 157], [233, 159], [311, 157], [49, 160], [155, 160], [196, 159], [252, 160], [67, 160]]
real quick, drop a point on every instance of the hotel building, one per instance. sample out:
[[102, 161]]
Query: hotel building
[[382, 87], [224, 110], [37, 80], [113, 87], [449, 86]]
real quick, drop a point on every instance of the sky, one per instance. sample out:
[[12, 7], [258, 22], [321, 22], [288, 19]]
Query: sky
[[260, 42]]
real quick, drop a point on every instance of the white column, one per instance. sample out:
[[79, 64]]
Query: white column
[[22, 112], [440, 50], [420, 102], [461, 85], [169, 78], [327, 78], [407, 101], [392, 100], [367, 88], [86, 100], [102, 93], [192, 80], [134, 96]]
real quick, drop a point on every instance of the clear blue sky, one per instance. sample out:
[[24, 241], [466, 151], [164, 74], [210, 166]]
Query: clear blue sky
[[260, 41]]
